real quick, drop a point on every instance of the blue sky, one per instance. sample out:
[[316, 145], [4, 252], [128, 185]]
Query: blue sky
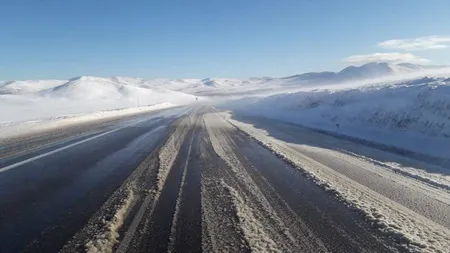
[[42, 39]]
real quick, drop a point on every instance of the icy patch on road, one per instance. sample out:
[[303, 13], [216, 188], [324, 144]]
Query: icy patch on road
[[409, 229], [170, 150], [108, 237], [252, 228], [173, 230]]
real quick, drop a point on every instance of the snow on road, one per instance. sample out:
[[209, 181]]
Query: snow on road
[[255, 234], [208, 186], [104, 231], [252, 227], [411, 211], [262, 224], [105, 241], [170, 150]]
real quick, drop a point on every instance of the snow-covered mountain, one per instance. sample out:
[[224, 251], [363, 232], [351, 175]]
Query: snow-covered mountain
[[98, 86], [28, 86], [355, 73], [131, 89], [364, 72], [375, 69]]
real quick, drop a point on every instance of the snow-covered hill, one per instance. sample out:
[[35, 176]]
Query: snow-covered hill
[[359, 73], [36, 99], [47, 99], [413, 114], [98, 86], [28, 86], [369, 71]]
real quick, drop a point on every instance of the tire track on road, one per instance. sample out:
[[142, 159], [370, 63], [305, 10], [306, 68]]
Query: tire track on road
[[158, 228]]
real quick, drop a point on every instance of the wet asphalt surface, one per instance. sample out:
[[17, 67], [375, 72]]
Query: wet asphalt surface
[[45, 202]]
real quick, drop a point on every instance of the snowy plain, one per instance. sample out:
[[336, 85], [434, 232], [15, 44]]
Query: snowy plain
[[391, 106]]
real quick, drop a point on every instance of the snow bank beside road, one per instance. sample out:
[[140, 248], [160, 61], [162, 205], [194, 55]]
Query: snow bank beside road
[[13, 129], [407, 228], [412, 115]]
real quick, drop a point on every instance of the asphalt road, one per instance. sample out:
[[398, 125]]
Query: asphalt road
[[167, 182]]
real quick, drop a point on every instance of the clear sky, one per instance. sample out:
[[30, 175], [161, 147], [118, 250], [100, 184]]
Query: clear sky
[[42, 39]]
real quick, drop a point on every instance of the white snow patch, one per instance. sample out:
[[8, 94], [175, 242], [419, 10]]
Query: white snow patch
[[109, 234], [253, 229]]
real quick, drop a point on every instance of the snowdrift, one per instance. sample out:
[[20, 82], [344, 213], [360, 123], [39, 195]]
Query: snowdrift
[[414, 114]]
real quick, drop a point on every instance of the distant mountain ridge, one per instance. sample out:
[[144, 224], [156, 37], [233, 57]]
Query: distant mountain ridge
[[366, 71], [88, 84]]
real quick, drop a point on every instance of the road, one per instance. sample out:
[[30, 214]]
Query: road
[[182, 180]]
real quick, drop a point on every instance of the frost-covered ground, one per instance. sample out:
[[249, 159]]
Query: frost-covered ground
[[412, 115]]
